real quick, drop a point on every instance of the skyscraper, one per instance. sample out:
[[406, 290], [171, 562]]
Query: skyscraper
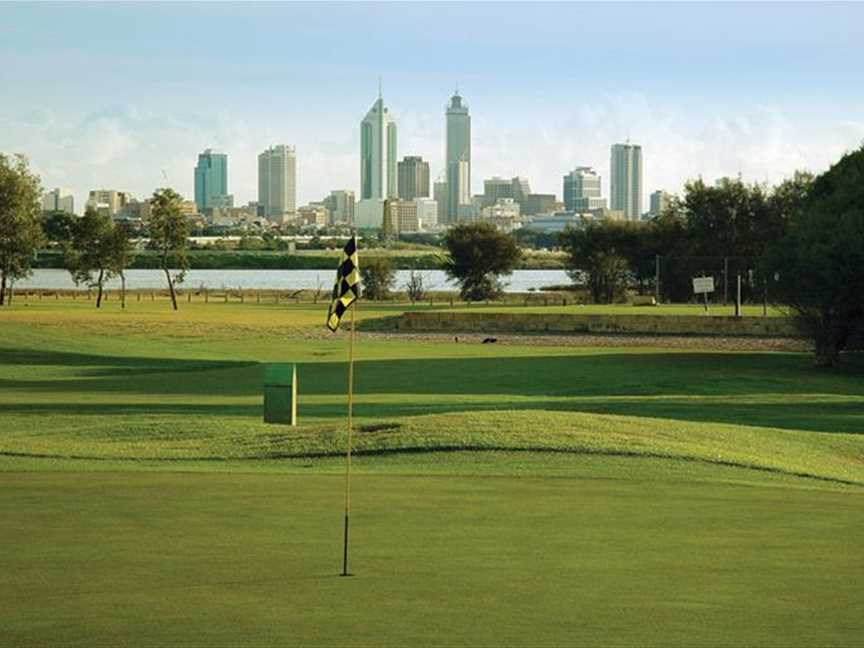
[[440, 195], [625, 189], [277, 183], [211, 180], [378, 153], [458, 157], [582, 190], [413, 178]]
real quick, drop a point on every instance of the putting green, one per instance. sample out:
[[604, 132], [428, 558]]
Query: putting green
[[252, 559]]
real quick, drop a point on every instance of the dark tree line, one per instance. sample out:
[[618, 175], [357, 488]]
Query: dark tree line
[[800, 242], [716, 230]]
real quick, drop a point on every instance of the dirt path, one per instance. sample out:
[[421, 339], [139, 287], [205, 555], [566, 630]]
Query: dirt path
[[702, 343]]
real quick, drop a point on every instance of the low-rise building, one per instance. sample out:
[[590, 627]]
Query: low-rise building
[[58, 199], [340, 202], [313, 214], [108, 201], [369, 213], [400, 216]]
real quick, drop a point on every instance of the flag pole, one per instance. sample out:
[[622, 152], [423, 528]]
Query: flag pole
[[348, 450]]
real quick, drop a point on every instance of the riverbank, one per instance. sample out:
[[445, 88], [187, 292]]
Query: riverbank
[[301, 260]]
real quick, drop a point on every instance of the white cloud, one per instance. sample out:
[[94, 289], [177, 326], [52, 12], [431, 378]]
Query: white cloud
[[128, 147]]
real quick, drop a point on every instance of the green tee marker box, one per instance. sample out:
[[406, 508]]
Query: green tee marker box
[[280, 393]]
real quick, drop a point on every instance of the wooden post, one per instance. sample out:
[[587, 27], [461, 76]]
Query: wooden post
[[738, 297]]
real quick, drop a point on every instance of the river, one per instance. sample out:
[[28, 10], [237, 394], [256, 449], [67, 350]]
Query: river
[[51, 279]]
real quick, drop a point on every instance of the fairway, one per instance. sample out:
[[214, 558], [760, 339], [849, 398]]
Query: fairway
[[511, 495]]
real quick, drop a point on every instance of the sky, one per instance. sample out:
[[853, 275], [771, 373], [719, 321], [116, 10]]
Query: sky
[[125, 95]]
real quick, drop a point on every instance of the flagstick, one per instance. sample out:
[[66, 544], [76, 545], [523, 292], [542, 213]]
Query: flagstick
[[348, 453]]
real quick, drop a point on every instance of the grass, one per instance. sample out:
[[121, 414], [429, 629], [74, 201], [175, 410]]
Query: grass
[[503, 496]]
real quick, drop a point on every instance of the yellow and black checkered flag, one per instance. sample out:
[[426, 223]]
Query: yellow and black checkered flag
[[347, 287]]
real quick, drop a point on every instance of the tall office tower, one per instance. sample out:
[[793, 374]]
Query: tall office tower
[[625, 190], [277, 183], [58, 200], [413, 178], [458, 157], [211, 181], [440, 195], [378, 153], [340, 202], [582, 190]]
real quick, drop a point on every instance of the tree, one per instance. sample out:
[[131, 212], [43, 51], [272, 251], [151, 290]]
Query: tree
[[819, 261], [477, 255], [59, 226], [169, 233], [20, 227], [98, 252], [599, 251], [377, 276]]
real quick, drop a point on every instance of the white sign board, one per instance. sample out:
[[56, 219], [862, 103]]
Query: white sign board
[[703, 284]]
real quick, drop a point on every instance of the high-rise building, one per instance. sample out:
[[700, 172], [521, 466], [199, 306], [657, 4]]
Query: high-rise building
[[211, 181], [378, 153], [458, 157], [413, 178], [625, 190], [659, 201], [340, 202], [277, 183], [58, 200], [440, 195], [582, 190]]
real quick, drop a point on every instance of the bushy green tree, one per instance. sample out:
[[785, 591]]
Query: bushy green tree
[[59, 226], [606, 252], [478, 254], [377, 277], [819, 263], [20, 223], [99, 251], [169, 234]]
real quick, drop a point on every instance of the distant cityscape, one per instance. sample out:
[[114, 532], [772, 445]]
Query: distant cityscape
[[396, 196]]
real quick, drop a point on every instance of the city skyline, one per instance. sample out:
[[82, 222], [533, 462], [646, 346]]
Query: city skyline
[[772, 108]]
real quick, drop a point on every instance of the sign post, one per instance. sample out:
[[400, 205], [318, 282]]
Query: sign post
[[703, 285]]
